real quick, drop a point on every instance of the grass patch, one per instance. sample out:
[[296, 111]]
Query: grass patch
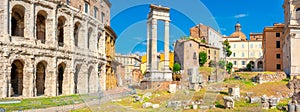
[[34, 103]]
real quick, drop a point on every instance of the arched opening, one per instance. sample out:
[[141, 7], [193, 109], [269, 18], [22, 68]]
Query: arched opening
[[41, 26], [260, 65], [60, 77], [90, 80], [76, 33], [252, 64], [77, 70], [17, 21], [16, 79], [40, 77], [90, 31], [298, 13], [60, 30]]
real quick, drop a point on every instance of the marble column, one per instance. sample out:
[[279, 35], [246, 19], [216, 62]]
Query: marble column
[[166, 45], [153, 45], [148, 44]]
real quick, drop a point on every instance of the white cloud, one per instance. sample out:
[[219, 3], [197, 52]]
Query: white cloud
[[140, 53], [144, 43], [240, 15]]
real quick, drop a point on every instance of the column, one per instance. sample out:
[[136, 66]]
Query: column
[[166, 45], [154, 45], [29, 31], [5, 21], [148, 45]]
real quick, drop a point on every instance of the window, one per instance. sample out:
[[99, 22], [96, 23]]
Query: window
[[68, 2], [298, 13], [278, 56], [243, 54], [208, 51], [195, 56], [233, 55], [278, 66], [95, 12], [251, 45], [277, 44], [86, 7], [234, 46], [243, 62], [102, 17], [277, 34], [215, 52], [243, 46], [234, 62]]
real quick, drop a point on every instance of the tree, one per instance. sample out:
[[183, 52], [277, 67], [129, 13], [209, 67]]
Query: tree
[[176, 68], [229, 67], [226, 48], [222, 64], [202, 58], [249, 66]]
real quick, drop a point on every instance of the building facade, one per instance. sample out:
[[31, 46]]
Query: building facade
[[291, 37], [209, 36], [245, 51], [186, 53], [272, 47], [52, 47], [130, 62]]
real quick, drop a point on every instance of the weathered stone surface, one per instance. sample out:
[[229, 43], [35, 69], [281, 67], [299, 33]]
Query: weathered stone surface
[[262, 78], [228, 102], [155, 106], [172, 88], [147, 104], [53, 49], [234, 92]]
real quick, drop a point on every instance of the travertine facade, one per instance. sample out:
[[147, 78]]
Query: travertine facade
[[291, 38], [52, 47]]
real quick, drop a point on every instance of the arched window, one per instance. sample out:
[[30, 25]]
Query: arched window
[[17, 21], [60, 30], [298, 13], [41, 26], [76, 33], [90, 31]]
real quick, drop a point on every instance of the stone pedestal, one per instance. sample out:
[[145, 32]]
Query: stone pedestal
[[156, 75]]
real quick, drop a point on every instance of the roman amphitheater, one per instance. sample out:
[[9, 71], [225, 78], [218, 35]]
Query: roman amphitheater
[[55, 47]]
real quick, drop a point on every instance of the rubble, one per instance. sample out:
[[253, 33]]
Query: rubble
[[228, 102], [263, 77]]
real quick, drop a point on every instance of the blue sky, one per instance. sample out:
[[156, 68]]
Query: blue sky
[[128, 19]]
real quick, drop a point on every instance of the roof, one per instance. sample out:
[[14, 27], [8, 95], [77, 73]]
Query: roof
[[239, 34]]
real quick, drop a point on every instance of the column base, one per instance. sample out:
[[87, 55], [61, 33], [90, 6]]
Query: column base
[[156, 75]]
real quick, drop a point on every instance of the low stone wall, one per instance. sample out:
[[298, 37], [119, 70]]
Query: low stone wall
[[156, 84], [269, 77]]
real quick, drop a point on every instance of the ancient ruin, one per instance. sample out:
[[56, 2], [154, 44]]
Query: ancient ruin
[[153, 74], [52, 47]]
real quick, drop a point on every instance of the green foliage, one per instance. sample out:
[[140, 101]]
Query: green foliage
[[222, 63], [227, 47], [249, 67], [176, 68], [212, 63], [202, 58], [229, 67], [203, 41]]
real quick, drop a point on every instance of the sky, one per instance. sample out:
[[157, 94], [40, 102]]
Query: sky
[[128, 19]]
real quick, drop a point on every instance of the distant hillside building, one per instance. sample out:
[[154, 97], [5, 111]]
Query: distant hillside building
[[245, 51], [208, 35], [272, 47]]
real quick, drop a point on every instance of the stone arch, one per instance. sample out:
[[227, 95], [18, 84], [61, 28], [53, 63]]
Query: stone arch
[[17, 21], [252, 64], [41, 26], [60, 30], [260, 65], [60, 77], [76, 81], [77, 27], [40, 77], [297, 13], [16, 77], [90, 32]]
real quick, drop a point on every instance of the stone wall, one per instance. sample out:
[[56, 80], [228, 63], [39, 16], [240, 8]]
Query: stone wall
[[65, 57]]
